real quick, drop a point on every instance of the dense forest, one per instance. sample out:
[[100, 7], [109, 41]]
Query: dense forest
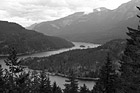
[[86, 63], [16, 79], [27, 41]]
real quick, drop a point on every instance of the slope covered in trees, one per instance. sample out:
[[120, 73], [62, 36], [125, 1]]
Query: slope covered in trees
[[84, 62], [27, 41], [18, 80]]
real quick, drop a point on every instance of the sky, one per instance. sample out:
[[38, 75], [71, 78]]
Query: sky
[[27, 12]]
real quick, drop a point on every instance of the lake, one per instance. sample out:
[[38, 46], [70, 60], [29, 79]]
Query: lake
[[61, 80]]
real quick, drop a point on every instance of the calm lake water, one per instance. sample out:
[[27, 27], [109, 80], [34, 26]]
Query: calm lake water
[[61, 80]]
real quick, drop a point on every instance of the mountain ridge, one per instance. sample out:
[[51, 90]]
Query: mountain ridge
[[95, 27], [27, 41]]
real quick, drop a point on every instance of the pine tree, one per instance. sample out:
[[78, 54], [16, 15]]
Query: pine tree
[[13, 62], [72, 85], [48, 86], [2, 81], [42, 82], [23, 83], [67, 89], [56, 89], [15, 72], [35, 82], [130, 62], [84, 89], [45, 85], [107, 79]]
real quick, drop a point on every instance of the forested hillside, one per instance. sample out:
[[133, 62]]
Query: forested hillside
[[83, 61], [27, 41]]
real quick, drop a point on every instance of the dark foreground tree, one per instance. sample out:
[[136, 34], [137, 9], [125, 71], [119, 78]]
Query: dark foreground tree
[[2, 81], [84, 89], [71, 85], [130, 62], [107, 82], [15, 75], [56, 89], [45, 85]]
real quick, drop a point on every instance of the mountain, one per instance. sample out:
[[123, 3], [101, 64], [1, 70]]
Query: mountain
[[31, 26], [83, 60], [99, 26], [27, 41], [54, 27]]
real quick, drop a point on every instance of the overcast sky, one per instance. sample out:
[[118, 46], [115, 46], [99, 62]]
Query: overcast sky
[[27, 12]]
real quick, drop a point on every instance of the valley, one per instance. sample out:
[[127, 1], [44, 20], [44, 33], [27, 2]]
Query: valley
[[67, 50], [56, 78]]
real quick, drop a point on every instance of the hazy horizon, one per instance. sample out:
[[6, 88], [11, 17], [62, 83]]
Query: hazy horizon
[[28, 12]]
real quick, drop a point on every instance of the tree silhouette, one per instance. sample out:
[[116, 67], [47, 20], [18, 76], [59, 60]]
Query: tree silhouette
[[72, 85], [107, 79], [44, 86], [2, 81], [55, 88], [16, 78], [84, 89], [130, 62]]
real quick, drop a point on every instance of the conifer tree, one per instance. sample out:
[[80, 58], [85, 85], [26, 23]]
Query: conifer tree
[[44, 83], [2, 81], [35, 82], [56, 89], [72, 84], [107, 79], [15, 72], [84, 89], [48, 86], [67, 89], [13, 62], [130, 62]]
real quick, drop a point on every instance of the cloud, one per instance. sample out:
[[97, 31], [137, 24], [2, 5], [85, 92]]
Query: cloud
[[112, 4], [27, 12]]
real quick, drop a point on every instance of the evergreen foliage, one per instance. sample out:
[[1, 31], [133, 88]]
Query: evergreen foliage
[[107, 79], [72, 84], [45, 86], [27, 41], [2, 81], [84, 89], [130, 65], [86, 63], [16, 76], [56, 89]]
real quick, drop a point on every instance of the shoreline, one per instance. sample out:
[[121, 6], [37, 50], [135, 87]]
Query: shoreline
[[79, 78], [66, 76], [35, 52], [30, 53], [55, 74]]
